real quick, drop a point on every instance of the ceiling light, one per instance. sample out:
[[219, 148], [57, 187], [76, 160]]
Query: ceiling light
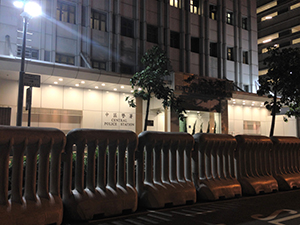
[[60, 79], [96, 87], [55, 82], [122, 86], [103, 84], [115, 89], [268, 17], [77, 85], [139, 89], [83, 82], [267, 40]]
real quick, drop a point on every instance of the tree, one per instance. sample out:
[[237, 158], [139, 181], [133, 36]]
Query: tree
[[150, 82], [282, 82]]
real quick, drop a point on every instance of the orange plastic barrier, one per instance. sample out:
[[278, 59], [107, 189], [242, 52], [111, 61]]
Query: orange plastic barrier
[[286, 162], [164, 169], [253, 164], [105, 188], [213, 166], [32, 207]]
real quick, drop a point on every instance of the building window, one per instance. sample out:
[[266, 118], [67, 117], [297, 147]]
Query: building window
[[65, 59], [297, 5], [174, 39], [296, 41], [195, 44], [152, 33], [213, 12], [245, 57], [284, 44], [98, 20], [230, 54], [213, 51], [47, 56], [48, 8], [245, 23], [266, 6], [195, 6], [127, 27], [100, 65], [126, 69], [270, 16], [246, 88], [30, 53], [175, 3], [65, 12], [229, 18]]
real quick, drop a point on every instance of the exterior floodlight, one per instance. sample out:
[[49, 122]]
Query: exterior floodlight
[[32, 9], [18, 4]]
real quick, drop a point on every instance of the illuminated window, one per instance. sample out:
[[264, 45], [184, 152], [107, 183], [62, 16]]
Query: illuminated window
[[65, 12], [98, 20], [230, 54], [295, 6], [195, 6], [296, 29], [267, 38], [213, 12], [262, 72], [266, 6], [296, 41], [229, 18], [269, 17], [175, 3]]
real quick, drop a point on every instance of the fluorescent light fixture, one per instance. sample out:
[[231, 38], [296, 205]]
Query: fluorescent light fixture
[[266, 41], [268, 17]]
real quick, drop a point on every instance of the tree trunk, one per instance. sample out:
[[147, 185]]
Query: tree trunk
[[147, 113], [273, 114]]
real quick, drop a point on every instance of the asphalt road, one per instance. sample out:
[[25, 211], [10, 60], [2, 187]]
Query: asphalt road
[[281, 208]]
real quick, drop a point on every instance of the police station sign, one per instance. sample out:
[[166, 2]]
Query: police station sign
[[116, 120]]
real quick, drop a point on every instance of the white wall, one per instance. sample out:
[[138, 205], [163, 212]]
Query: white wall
[[100, 109], [238, 114]]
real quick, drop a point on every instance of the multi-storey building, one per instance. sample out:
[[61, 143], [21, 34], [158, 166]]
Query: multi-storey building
[[87, 50], [278, 26]]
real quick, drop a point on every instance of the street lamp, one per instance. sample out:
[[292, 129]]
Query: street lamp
[[30, 9]]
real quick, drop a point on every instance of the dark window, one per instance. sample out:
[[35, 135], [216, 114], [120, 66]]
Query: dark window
[[213, 12], [213, 49], [127, 27], [65, 12], [98, 20], [284, 44], [174, 39], [100, 65], [246, 88], [65, 59], [245, 23], [5, 114], [195, 6], [195, 44], [230, 54], [30, 53], [48, 7], [152, 33], [229, 18], [83, 16], [245, 57], [284, 10], [126, 69], [284, 33], [47, 56]]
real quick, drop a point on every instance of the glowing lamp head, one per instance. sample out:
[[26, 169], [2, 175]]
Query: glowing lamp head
[[31, 8]]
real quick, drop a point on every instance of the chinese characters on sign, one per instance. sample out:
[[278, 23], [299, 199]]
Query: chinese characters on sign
[[119, 120]]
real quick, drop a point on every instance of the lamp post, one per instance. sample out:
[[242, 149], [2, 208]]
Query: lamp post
[[30, 10]]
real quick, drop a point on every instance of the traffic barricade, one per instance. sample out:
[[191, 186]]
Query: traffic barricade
[[36, 152], [164, 169], [213, 167], [108, 186], [253, 164], [286, 162]]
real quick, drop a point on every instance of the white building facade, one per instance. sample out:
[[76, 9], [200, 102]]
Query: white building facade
[[87, 50]]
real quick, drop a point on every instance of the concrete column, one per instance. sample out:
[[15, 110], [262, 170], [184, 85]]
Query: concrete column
[[182, 45], [203, 13], [143, 21], [137, 33], [187, 37], [167, 27], [205, 24], [110, 33], [222, 48], [117, 38], [160, 19]]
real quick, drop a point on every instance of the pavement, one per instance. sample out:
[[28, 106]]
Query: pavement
[[280, 208]]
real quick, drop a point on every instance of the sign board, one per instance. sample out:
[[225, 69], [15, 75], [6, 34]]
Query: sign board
[[31, 80]]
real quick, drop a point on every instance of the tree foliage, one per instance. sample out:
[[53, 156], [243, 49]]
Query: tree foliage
[[282, 82], [150, 82]]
